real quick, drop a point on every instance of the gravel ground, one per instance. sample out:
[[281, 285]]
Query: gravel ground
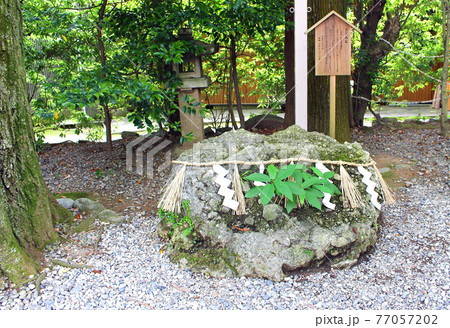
[[408, 269]]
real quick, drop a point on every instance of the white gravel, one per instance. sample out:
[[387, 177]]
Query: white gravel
[[408, 269]]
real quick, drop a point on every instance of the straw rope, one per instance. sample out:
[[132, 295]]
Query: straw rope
[[275, 161]]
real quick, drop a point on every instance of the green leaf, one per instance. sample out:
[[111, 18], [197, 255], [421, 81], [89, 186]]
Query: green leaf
[[328, 175], [332, 187], [290, 205], [324, 189], [313, 200], [309, 182], [272, 170], [258, 177], [286, 171], [294, 187], [283, 188], [253, 192], [317, 171], [267, 193], [316, 192], [298, 177], [302, 196], [300, 167]]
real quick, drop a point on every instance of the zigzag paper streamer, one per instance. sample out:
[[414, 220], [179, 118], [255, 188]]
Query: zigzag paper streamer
[[370, 186], [259, 183], [224, 191], [326, 199]]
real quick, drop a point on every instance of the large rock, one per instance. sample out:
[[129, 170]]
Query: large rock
[[110, 217], [267, 242], [88, 205], [66, 202]]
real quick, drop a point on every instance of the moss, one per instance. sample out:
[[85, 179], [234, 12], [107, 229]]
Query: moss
[[84, 225], [60, 214], [348, 153], [208, 259], [74, 195]]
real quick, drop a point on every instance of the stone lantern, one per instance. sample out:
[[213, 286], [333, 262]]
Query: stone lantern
[[191, 74]]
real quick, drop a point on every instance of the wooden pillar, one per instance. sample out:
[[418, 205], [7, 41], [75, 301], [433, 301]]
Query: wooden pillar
[[301, 64], [190, 122]]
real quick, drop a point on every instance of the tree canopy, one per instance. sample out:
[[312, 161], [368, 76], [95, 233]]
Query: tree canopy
[[108, 56]]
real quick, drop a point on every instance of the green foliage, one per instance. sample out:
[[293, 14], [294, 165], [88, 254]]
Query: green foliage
[[294, 183], [174, 219], [419, 43]]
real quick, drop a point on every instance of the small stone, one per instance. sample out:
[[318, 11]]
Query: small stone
[[66, 202], [272, 212], [249, 221]]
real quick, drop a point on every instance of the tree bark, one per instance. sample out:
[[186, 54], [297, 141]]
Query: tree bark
[[289, 67], [101, 46], [319, 86], [26, 206], [230, 99], [237, 93], [444, 75], [372, 51]]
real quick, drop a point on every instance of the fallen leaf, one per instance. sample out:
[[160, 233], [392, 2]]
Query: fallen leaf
[[120, 200], [240, 229], [181, 289]]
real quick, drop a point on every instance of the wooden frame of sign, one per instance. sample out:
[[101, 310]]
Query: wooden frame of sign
[[333, 54]]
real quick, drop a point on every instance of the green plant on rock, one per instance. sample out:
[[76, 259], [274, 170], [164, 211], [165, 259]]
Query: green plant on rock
[[174, 220], [295, 184]]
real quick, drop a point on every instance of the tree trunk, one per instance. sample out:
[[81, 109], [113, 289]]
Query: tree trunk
[[101, 46], [230, 99], [289, 67], [444, 75], [26, 206], [237, 93], [371, 53], [319, 86]]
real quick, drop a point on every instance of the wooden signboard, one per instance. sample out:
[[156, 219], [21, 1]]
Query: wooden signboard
[[333, 47], [333, 53]]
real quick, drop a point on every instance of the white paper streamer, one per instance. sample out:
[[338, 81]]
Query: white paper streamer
[[259, 183], [326, 199], [370, 186], [224, 191]]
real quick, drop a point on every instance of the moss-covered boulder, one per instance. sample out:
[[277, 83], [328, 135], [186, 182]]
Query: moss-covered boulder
[[267, 242]]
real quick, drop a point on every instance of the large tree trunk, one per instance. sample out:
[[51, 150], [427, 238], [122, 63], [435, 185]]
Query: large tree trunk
[[289, 67], [371, 53], [26, 207], [319, 86], [444, 75]]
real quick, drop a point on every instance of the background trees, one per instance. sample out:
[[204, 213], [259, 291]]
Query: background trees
[[132, 73]]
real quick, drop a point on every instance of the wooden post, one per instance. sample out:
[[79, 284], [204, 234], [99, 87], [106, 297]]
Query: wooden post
[[333, 106], [333, 54], [301, 63]]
